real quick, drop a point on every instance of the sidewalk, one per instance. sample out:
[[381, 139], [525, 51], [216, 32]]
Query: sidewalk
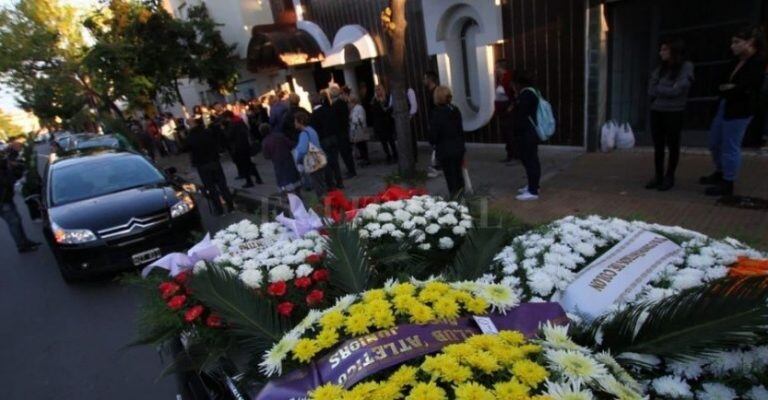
[[613, 185], [490, 178]]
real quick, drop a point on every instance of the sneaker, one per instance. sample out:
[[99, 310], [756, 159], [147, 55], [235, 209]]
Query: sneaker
[[523, 190], [527, 197]]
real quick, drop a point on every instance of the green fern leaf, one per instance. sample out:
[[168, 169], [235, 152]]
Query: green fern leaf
[[347, 260], [476, 254]]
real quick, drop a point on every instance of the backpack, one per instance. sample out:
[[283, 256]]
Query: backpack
[[545, 127]]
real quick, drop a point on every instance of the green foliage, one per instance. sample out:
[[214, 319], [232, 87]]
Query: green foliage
[[156, 323], [476, 254], [347, 260], [214, 61], [727, 313]]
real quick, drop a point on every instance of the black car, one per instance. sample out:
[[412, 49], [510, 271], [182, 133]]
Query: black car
[[112, 211]]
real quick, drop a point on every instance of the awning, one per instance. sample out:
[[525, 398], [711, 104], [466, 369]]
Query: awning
[[282, 49], [348, 37]]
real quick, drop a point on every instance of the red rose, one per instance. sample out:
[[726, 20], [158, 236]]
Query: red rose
[[193, 313], [182, 278], [168, 289], [285, 308], [277, 289], [313, 259], [320, 275], [177, 302], [213, 321], [303, 282], [315, 297]]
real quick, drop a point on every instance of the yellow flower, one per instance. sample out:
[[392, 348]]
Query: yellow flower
[[357, 308], [387, 391], [473, 391], [437, 286], [529, 373], [530, 349], [507, 355], [434, 291], [375, 294], [476, 305], [357, 324], [403, 289], [514, 338], [484, 342], [512, 390], [421, 314], [462, 296], [403, 303], [446, 368], [332, 320], [427, 391], [404, 376], [327, 338], [327, 392], [446, 308], [460, 351], [542, 397], [483, 361], [383, 319], [363, 390], [305, 349]]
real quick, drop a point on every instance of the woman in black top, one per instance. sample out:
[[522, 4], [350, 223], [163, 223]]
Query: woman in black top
[[524, 116], [383, 123], [446, 134], [739, 95]]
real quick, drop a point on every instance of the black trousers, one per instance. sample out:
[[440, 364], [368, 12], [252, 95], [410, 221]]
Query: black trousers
[[453, 174], [665, 129], [506, 131], [345, 150], [332, 172], [528, 144], [390, 147], [215, 185], [247, 168], [362, 148]]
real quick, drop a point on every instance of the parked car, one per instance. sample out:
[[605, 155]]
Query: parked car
[[110, 211]]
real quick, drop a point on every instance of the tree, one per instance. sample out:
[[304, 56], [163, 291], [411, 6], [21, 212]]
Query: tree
[[395, 25], [7, 128], [214, 60]]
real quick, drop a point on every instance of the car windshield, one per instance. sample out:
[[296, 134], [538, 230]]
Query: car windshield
[[100, 176]]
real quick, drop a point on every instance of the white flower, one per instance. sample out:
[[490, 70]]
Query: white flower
[[378, 233], [556, 336], [253, 278], [541, 283], [364, 234], [385, 217], [716, 391], [230, 270], [425, 246], [432, 229], [419, 221], [250, 264], [445, 243], [272, 363], [500, 297], [389, 227], [467, 224], [459, 230], [280, 273], [575, 366], [585, 249], [689, 369], [687, 278], [672, 387], [724, 362], [757, 393], [397, 234], [568, 391], [303, 270], [199, 267]]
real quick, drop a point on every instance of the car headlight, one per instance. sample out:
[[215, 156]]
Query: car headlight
[[183, 206], [71, 236]]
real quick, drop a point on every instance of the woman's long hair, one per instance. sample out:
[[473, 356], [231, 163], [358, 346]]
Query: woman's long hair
[[755, 33], [677, 56]]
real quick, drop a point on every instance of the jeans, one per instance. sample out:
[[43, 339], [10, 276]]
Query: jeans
[[725, 137], [529, 155], [454, 177], [11, 216], [215, 184], [665, 129]]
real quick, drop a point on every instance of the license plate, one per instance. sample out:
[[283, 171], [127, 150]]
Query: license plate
[[146, 256]]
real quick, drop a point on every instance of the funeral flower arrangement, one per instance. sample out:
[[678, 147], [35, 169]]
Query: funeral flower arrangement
[[499, 367], [423, 222], [541, 264], [417, 302]]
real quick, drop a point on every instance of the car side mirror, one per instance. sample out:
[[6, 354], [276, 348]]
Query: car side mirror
[[171, 171]]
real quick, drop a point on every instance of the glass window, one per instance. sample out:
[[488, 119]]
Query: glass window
[[100, 176]]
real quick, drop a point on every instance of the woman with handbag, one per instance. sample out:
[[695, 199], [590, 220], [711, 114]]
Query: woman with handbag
[[359, 133], [309, 155]]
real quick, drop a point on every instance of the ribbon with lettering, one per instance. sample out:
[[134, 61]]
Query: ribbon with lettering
[[176, 263], [303, 220], [358, 358], [619, 274]]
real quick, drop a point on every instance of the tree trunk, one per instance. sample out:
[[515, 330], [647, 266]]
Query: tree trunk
[[401, 109], [103, 97], [178, 92]]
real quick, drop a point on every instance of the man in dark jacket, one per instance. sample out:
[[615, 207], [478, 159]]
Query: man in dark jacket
[[340, 110], [204, 155], [446, 135], [11, 171], [288, 126], [323, 122], [240, 145]]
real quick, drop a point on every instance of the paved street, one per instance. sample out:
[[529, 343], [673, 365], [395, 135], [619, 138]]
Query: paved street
[[66, 342]]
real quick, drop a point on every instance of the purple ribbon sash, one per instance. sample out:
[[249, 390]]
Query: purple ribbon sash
[[358, 358], [304, 220]]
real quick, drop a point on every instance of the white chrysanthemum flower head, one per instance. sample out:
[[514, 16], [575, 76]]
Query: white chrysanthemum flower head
[[556, 337], [757, 393], [501, 298], [445, 243], [672, 387], [253, 278], [272, 363], [716, 391], [568, 391], [280, 273], [575, 366]]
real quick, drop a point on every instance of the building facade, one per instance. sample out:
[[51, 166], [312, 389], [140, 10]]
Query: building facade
[[590, 58]]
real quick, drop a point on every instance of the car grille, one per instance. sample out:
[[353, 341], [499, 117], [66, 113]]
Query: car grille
[[135, 224]]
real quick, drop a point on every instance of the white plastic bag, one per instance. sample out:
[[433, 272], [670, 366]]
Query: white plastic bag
[[625, 137], [468, 189], [608, 136]]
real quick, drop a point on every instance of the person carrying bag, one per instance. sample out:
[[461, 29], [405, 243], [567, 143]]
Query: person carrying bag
[[309, 154]]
